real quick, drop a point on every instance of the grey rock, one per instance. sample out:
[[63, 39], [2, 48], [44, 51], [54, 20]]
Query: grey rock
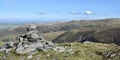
[[59, 49], [30, 57], [28, 49], [54, 59], [3, 58], [6, 48], [87, 42], [110, 54], [30, 42], [37, 58], [33, 53]]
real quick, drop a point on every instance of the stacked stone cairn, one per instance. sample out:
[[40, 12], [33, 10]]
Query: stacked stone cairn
[[30, 42]]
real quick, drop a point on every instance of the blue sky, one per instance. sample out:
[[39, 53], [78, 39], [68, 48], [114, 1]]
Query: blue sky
[[52, 10]]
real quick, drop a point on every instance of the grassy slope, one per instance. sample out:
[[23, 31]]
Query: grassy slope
[[50, 36], [109, 34], [88, 24], [80, 52]]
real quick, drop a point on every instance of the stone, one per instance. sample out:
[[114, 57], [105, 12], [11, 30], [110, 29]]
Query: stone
[[59, 49], [110, 54], [29, 49], [54, 59], [87, 42], [33, 53], [7, 47], [48, 55], [30, 42], [113, 55], [2, 49], [30, 57], [3, 58], [37, 58]]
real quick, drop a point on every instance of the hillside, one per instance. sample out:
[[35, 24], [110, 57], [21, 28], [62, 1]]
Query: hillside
[[74, 51], [102, 38], [101, 35], [75, 24], [93, 30], [78, 24]]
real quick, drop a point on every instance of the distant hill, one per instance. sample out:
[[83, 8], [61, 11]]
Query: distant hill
[[75, 24], [99, 35], [8, 26], [95, 30]]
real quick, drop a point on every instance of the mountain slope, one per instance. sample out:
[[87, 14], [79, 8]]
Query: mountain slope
[[100, 35], [94, 29], [74, 51]]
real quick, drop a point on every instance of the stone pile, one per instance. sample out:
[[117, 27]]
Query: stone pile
[[30, 42]]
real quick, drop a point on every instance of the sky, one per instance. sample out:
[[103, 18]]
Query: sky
[[58, 10]]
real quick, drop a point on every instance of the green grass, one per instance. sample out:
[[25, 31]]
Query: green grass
[[1, 43], [9, 37], [52, 35], [79, 52]]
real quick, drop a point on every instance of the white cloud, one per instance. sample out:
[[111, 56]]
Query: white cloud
[[88, 12], [75, 12]]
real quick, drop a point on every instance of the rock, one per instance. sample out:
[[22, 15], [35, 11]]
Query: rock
[[2, 49], [30, 57], [59, 49], [30, 42], [5, 48], [110, 54], [54, 59], [37, 58], [33, 53], [7, 51], [87, 42], [3, 58], [71, 51], [31, 48]]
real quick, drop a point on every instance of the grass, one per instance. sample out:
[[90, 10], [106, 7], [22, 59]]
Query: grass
[[52, 35], [79, 51], [8, 37], [1, 43]]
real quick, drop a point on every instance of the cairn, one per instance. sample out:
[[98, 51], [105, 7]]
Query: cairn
[[30, 42]]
